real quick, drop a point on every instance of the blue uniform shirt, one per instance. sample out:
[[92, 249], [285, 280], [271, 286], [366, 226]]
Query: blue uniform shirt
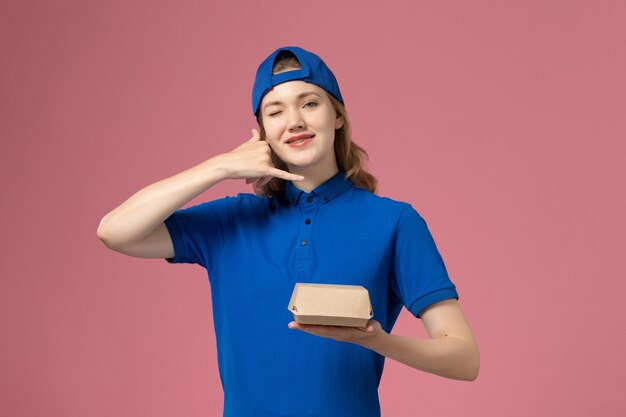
[[256, 248]]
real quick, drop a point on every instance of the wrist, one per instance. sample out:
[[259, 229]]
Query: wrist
[[377, 341], [220, 166]]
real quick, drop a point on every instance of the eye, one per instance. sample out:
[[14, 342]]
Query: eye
[[310, 102], [274, 114]]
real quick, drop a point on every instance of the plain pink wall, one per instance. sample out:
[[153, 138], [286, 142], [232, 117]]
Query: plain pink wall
[[502, 122]]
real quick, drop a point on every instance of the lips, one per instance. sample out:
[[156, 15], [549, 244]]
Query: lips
[[298, 137]]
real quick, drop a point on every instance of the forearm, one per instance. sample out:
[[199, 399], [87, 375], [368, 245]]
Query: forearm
[[449, 356], [138, 216]]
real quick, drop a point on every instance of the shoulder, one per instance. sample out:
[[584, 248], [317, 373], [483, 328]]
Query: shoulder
[[252, 200], [243, 203], [224, 205], [241, 199], [386, 205]]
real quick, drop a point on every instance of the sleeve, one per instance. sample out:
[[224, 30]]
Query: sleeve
[[420, 277], [198, 232]]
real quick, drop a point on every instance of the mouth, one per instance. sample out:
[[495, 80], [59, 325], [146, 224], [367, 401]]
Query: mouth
[[300, 138]]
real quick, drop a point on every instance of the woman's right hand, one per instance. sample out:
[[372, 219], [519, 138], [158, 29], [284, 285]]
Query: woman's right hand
[[252, 161]]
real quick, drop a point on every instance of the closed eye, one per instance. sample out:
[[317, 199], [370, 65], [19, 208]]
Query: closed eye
[[310, 104]]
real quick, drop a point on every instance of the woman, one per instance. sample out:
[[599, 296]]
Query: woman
[[314, 217]]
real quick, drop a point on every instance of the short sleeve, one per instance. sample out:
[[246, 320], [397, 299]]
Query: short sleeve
[[198, 232], [420, 277]]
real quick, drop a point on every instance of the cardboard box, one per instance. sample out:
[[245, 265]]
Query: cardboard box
[[331, 305]]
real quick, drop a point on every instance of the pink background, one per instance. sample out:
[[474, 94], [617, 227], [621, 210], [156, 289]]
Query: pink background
[[502, 122]]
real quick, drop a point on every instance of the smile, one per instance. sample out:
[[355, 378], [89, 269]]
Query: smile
[[300, 140]]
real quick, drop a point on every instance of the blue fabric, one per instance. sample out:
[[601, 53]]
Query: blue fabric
[[256, 248], [313, 71]]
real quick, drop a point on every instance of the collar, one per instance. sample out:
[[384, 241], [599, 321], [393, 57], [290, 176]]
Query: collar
[[326, 191]]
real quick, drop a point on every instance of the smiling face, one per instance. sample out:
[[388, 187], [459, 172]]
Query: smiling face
[[297, 110]]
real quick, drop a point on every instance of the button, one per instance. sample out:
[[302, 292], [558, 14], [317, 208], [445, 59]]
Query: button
[[309, 199], [307, 221], [303, 243], [325, 198]]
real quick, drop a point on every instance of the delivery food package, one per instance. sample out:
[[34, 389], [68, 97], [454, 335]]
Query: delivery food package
[[331, 305]]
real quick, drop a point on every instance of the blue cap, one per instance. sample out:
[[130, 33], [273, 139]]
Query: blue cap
[[313, 71]]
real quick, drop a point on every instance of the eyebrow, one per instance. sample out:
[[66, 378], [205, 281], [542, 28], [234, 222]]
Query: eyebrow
[[305, 94]]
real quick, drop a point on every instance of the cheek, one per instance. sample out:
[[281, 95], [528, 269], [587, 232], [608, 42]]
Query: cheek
[[273, 128], [326, 120], [272, 135]]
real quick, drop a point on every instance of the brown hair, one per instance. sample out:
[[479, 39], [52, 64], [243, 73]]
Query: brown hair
[[350, 157]]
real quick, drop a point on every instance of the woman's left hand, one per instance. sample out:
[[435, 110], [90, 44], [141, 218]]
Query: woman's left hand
[[363, 336]]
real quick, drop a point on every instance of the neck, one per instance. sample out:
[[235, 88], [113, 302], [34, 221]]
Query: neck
[[312, 179]]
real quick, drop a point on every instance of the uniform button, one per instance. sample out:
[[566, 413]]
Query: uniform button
[[307, 221], [303, 243], [309, 199], [325, 198]]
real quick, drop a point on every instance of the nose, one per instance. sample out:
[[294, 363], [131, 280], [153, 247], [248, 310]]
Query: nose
[[295, 121]]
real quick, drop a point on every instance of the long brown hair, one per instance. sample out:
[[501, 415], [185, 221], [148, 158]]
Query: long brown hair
[[351, 158]]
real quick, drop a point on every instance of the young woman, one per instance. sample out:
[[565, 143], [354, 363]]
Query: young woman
[[314, 217]]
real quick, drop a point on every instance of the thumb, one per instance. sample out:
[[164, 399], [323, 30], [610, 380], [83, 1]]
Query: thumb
[[256, 136]]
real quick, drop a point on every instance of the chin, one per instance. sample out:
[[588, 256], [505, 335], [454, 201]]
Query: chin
[[307, 159], [301, 162]]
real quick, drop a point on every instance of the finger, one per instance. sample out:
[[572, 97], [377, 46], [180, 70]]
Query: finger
[[261, 181], [256, 136], [275, 172], [264, 180]]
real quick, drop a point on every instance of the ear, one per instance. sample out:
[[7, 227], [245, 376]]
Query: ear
[[339, 122]]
